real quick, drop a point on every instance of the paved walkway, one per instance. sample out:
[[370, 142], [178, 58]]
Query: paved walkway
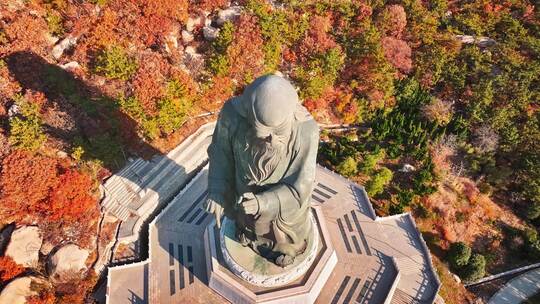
[[518, 289]]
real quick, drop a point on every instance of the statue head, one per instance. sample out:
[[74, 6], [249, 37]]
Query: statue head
[[268, 104]]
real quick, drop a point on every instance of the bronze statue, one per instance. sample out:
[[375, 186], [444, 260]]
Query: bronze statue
[[262, 168]]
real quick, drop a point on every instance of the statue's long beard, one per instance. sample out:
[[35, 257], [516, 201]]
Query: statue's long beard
[[265, 158]]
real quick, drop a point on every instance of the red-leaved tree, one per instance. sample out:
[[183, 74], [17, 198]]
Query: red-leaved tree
[[9, 269]]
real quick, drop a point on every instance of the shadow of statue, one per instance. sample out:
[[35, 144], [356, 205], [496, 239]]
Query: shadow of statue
[[104, 132]]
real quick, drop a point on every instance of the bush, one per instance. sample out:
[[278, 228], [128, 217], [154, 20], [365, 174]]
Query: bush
[[532, 243], [9, 269], [25, 130], [376, 184], [475, 269], [533, 211], [371, 160], [218, 63], [348, 167], [172, 113], [54, 22], [320, 73], [459, 255], [114, 63]]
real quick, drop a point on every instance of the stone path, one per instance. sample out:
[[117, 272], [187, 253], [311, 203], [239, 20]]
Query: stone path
[[518, 289]]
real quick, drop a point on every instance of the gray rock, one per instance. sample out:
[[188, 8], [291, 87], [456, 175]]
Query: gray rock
[[71, 66], [485, 42], [187, 37], [62, 46], [24, 246], [407, 168], [61, 154], [210, 33], [14, 110], [482, 42], [228, 14], [467, 39], [67, 261], [191, 23], [456, 278], [191, 51]]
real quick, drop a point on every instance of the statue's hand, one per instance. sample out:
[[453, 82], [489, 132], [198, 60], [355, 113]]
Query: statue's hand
[[250, 205], [214, 207]]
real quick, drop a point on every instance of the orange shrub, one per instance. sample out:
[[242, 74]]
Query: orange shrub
[[219, 91], [148, 84], [398, 53], [26, 180], [71, 199], [16, 27], [174, 9], [209, 5], [245, 53], [317, 40], [470, 191], [9, 269], [45, 297]]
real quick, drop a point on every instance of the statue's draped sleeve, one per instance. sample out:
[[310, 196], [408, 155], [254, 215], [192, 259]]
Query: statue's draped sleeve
[[221, 172], [289, 199]]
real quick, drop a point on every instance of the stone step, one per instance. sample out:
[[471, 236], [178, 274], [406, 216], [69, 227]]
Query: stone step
[[120, 212], [409, 265]]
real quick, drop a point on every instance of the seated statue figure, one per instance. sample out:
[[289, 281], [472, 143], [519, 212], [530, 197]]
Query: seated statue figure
[[262, 169]]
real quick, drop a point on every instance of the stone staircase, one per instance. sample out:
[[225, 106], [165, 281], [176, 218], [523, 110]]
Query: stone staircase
[[136, 191], [409, 265], [401, 297]]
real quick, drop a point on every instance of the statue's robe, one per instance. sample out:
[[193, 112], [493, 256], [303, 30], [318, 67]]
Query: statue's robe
[[286, 191]]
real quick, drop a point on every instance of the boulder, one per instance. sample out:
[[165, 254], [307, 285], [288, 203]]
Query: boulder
[[17, 290], [228, 14], [187, 37], [66, 261], [14, 110], [192, 23], [210, 33], [71, 66], [24, 246], [62, 46], [482, 42], [407, 168]]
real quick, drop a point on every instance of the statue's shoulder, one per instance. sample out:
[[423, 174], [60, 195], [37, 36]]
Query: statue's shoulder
[[306, 123], [228, 114]]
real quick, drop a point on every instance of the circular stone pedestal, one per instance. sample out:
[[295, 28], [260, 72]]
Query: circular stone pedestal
[[255, 269]]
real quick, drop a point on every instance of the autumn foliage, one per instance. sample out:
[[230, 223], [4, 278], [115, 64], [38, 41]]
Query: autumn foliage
[[38, 186], [9, 269], [245, 53], [71, 197]]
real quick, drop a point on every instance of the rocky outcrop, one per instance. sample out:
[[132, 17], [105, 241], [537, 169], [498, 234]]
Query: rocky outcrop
[[24, 246], [17, 290], [482, 42], [66, 262], [210, 33], [62, 46], [228, 14]]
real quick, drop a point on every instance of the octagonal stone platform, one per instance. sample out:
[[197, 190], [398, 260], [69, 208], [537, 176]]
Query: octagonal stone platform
[[293, 285], [379, 259], [257, 270]]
